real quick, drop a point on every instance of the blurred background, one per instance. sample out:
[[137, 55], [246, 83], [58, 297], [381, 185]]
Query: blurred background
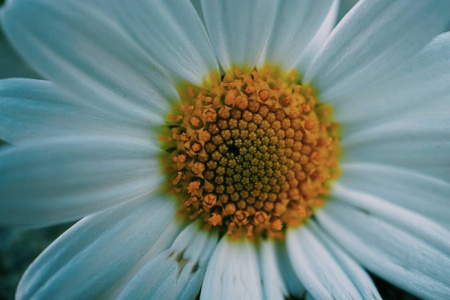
[[19, 247]]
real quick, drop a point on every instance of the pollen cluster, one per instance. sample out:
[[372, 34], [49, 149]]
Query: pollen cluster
[[251, 154]]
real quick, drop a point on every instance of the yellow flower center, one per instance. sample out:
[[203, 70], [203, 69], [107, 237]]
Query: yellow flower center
[[252, 154]]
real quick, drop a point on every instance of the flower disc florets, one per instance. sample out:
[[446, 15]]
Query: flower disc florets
[[252, 154]]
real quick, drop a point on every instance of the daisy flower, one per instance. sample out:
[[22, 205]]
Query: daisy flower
[[241, 150]]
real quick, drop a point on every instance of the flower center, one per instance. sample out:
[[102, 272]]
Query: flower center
[[252, 154]]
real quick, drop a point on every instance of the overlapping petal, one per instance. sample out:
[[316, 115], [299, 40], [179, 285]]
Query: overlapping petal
[[251, 33], [71, 44], [232, 272], [293, 284], [96, 253], [325, 270], [373, 39], [37, 109], [425, 195], [64, 179], [421, 144], [402, 248], [299, 30], [359, 277], [273, 284], [176, 273], [417, 89], [416, 223], [403, 119], [238, 29], [172, 33]]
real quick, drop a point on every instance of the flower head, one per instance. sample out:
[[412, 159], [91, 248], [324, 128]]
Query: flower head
[[246, 149], [251, 155]]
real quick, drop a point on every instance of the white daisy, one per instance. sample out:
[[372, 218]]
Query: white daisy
[[132, 135]]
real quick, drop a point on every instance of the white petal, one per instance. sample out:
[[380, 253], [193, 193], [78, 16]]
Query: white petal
[[176, 273], [421, 144], [81, 47], [373, 39], [97, 252], [66, 179], [165, 240], [316, 267], [272, 281], [352, 269], [36, 109], [403, 218], [232, 272], [403, 119], [417, 89], [294, 286], [395, 253], [238, 29], [172, 32], [299, 26], [422, 194], [327, 24]]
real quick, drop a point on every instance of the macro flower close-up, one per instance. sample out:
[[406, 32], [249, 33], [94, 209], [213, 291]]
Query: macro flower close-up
[[230, 149]]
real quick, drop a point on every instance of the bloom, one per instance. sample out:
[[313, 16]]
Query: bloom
[[87, 145]]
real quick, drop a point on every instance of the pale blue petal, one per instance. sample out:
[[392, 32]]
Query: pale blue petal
[[64, 179], [284, 33], [397, 251], [97, 252], [172, 32], [318, 270], [37, 109], [273, 284], [299, 30], [417, 89], [373, 39], [293, 285], [402, 218], [238, 29], [421, 144], [164, 241], [232, 272], [359, 277], [417, 192], [176, 273], [403, 119], [82, 47]]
